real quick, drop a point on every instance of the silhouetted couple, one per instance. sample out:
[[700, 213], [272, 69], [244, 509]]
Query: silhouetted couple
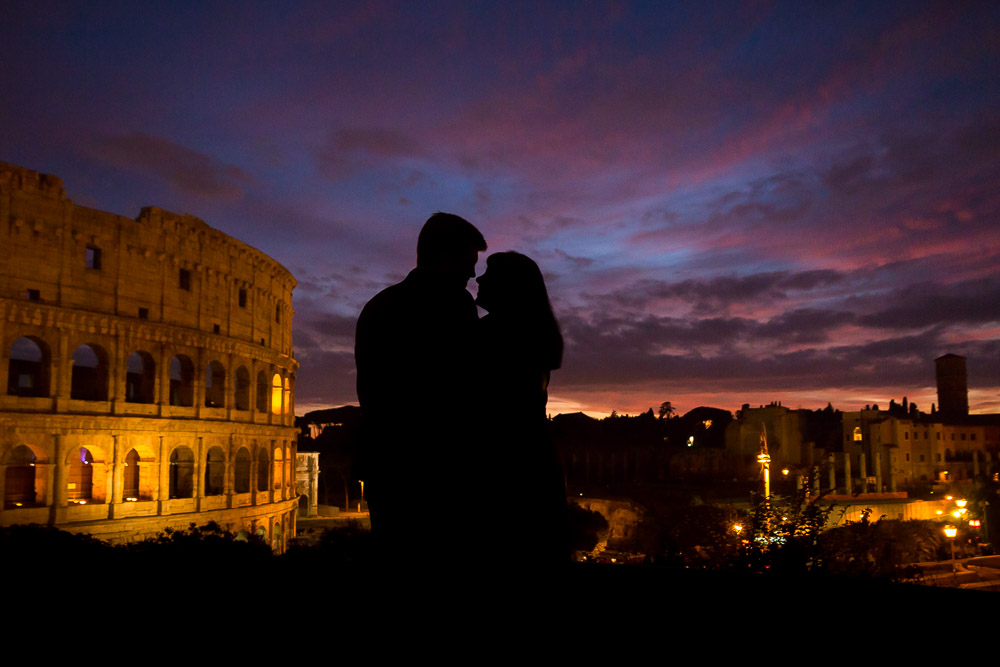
[[459, 466]]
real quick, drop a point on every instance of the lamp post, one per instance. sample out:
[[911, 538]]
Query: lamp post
[[950, 532]]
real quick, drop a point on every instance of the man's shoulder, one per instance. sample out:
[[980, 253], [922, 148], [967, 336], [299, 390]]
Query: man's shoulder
[[388, 299]]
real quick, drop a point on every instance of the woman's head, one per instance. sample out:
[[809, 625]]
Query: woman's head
[[513, 288]]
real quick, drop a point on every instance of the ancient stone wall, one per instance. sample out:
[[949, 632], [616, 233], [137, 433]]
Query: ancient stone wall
[[147, 377]]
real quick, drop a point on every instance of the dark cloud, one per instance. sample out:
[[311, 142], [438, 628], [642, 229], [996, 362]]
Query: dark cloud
[[183, 168], [926, 304], [577, 263], [378, 142], [712, 295]]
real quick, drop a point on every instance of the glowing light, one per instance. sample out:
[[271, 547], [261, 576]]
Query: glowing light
[[950, 531], [784, 471], [738, 528], [691, 441], [974, 523], [962, 502], [940, 512]]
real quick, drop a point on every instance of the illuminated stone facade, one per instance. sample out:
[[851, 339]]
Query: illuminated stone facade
[[147, 376]]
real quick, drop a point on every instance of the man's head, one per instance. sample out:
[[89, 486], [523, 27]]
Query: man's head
[[449, 246]]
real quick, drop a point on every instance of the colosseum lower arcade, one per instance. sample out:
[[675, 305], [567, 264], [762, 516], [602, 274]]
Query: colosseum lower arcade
[[148, 371]]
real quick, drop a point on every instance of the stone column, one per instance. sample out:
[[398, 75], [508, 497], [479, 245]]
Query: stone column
[[163, 483], [848, 481], [878, 472], [199, 470], [863, 469], [831, 471], [60, 492]]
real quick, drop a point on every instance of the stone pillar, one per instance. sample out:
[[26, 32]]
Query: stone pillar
[[163, 490], [831, 472], [863, 469], [117, 462], [199, 468], [313, 488], [60, 492], [878, 472], [848, 481]]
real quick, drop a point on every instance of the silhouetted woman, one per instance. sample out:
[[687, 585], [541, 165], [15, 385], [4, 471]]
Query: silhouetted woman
[[521, 470]]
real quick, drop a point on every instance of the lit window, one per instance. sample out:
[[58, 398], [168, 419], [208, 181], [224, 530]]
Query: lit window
[[857, 433]]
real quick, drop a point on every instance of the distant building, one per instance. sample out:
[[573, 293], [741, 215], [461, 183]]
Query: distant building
[[784, 430], [952, 386]]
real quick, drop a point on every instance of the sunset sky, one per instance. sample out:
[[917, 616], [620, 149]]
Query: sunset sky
[[731, 202]]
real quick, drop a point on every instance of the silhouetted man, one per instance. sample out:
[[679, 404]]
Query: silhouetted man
[[415, 358]]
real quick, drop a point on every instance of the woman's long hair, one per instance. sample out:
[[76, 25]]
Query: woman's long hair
[[521, 294]]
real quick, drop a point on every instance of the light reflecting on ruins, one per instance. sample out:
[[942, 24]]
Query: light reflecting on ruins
[[148, 369]]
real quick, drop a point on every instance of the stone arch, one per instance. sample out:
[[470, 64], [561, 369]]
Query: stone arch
[[86, 480], [276, 536], [215, 472], [276, 389], [241, 391], [181, 472], [89, 376], [29, 367], [215, 385], [21, 488], [181, 381], [278, 476], [241, 476], [263, 469], [262, 391], [140, 378], [131, 476]]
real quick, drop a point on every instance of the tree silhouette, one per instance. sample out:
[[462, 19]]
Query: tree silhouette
[[667, 410]]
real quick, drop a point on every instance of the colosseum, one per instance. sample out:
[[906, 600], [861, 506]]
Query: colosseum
[[149, 371]]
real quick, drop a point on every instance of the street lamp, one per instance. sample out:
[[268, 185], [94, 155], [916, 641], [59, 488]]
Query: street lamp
[[950, 532]]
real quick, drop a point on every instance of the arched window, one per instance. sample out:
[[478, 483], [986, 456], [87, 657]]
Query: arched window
[[89, 380], [262, 391], [241, 396], [182, 473], [279, 469], [215, 472], [19, 480], [241, 480], [131, 476], [215, 385], [181, 381], [81, 477], [263, 469], [276, 394], [857, 433], [28, 369], [140, 378]]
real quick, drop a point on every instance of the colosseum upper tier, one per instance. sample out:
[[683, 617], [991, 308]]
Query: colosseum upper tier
[[148, 370]]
